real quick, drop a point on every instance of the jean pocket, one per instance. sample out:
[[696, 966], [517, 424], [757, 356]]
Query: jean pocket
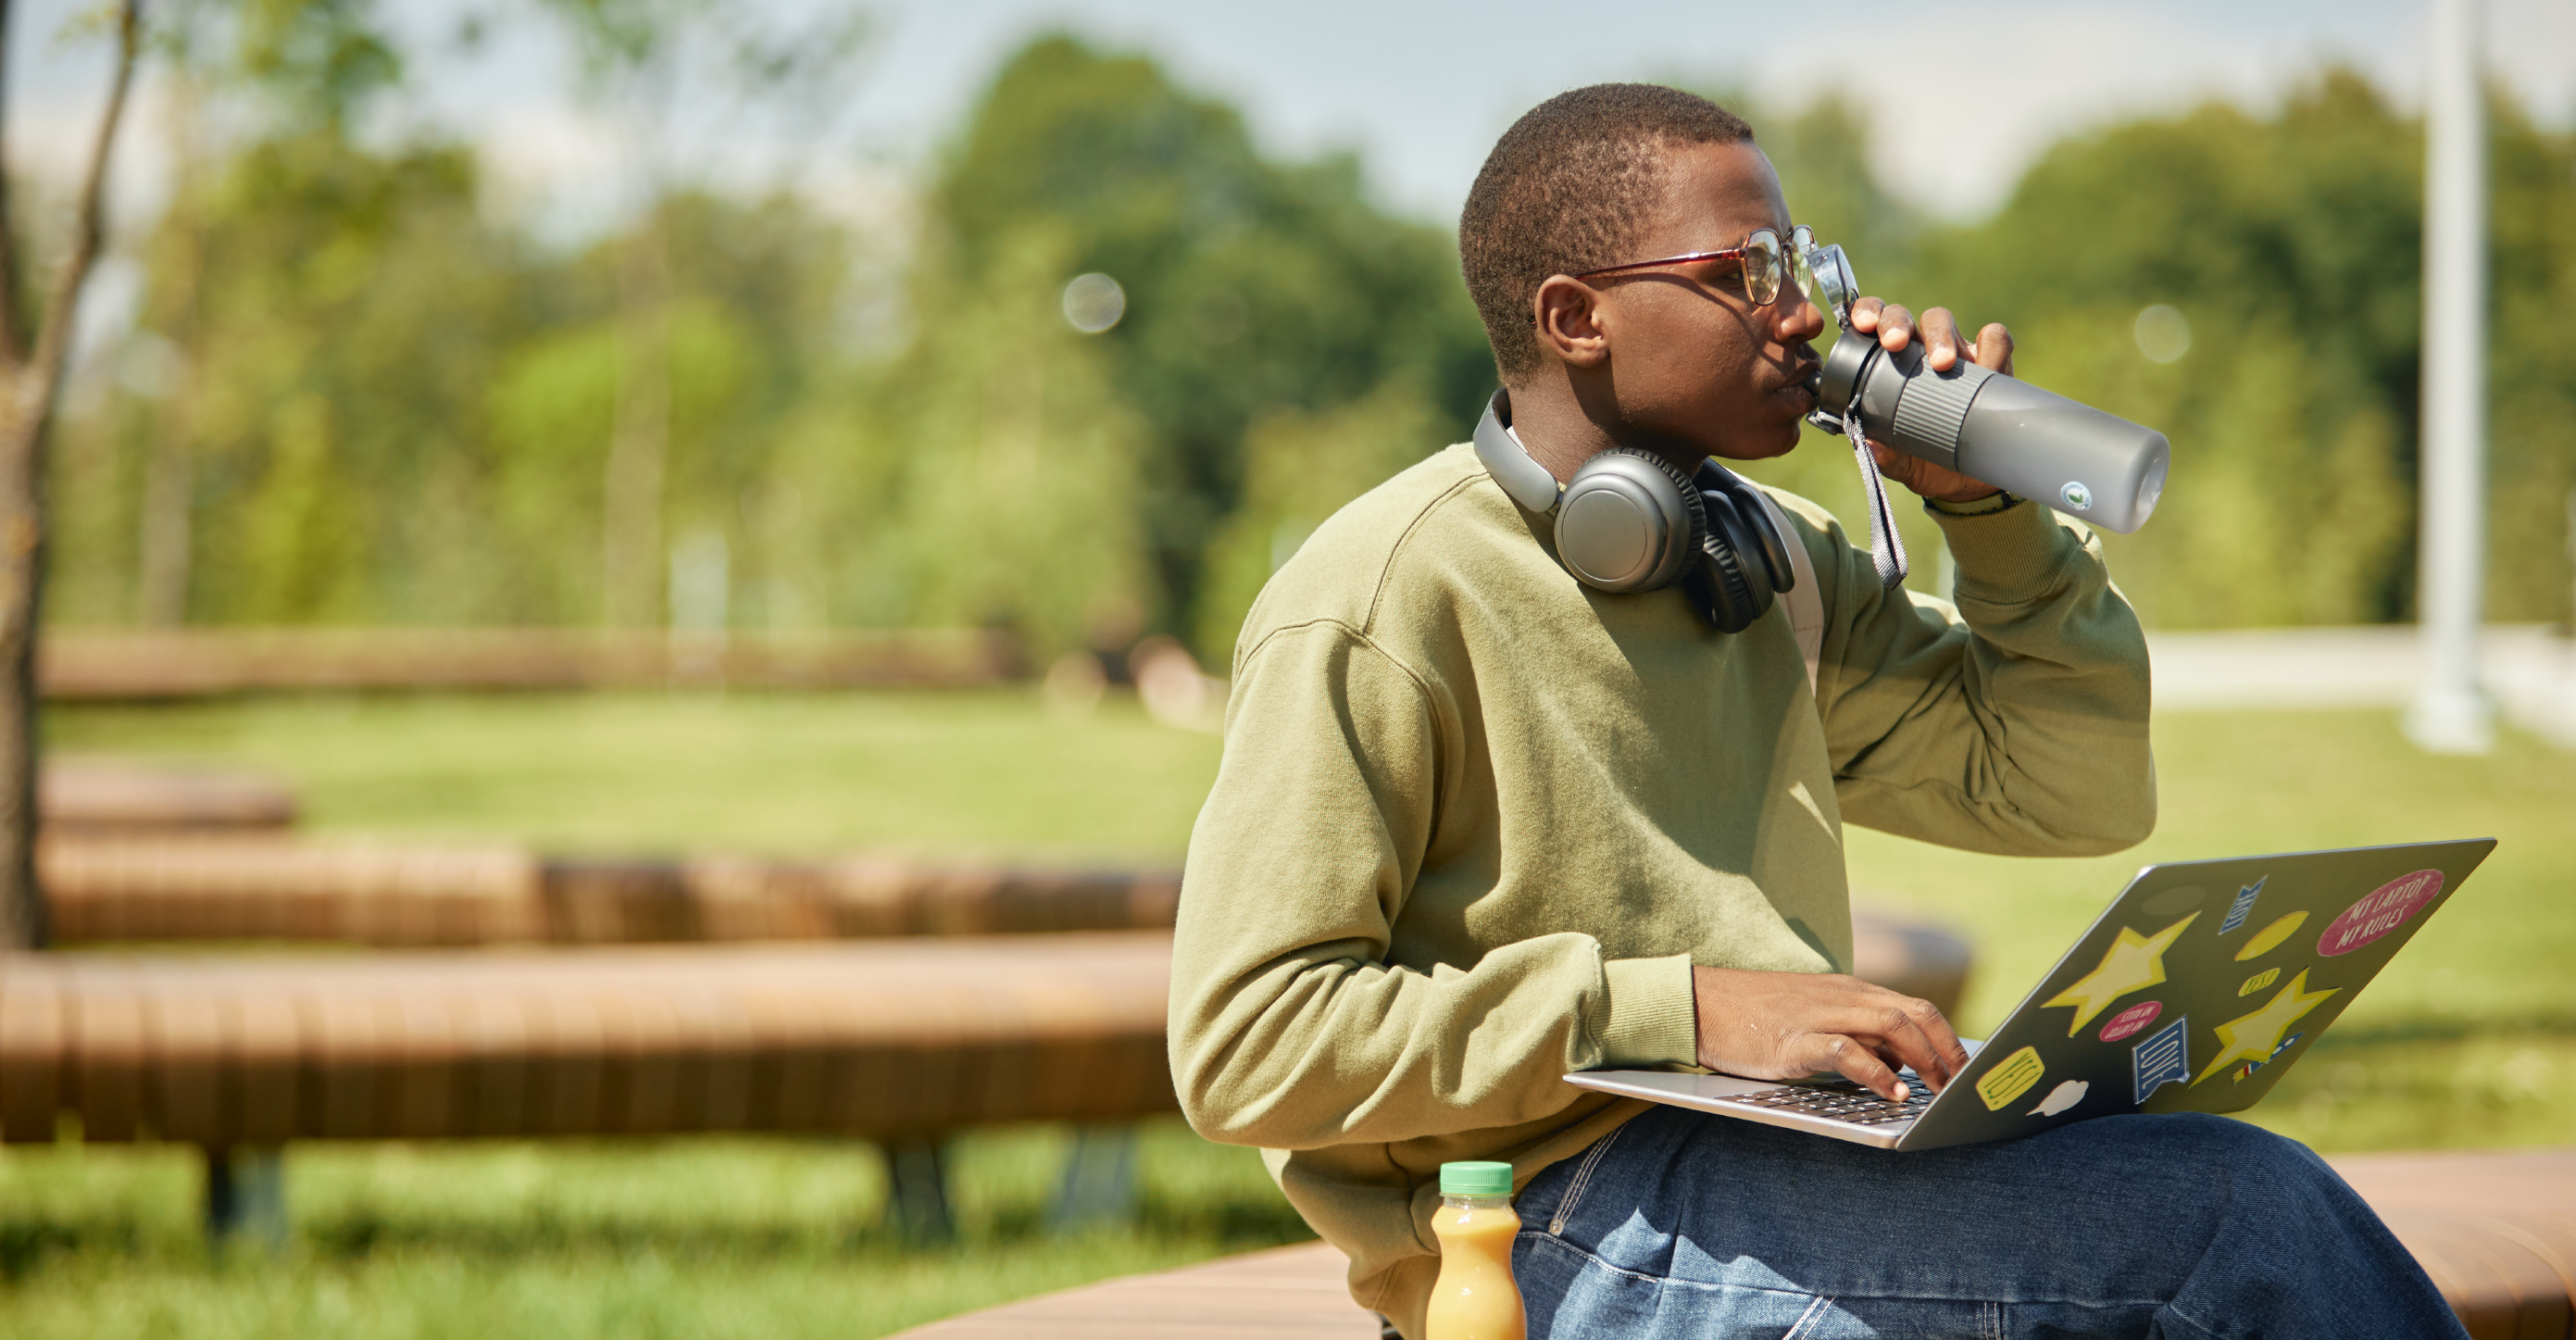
[[1573, 1197]]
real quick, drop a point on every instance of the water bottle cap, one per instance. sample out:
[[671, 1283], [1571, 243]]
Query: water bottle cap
[[1475, 1179]]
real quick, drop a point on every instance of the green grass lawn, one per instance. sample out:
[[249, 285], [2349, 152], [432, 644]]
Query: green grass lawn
[[2468, 1039], [700, 1238]]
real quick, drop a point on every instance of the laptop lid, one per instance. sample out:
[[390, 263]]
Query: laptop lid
[[2197, 988]]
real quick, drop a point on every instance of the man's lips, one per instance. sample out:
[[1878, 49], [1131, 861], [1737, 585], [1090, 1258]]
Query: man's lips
[[1802, 385]]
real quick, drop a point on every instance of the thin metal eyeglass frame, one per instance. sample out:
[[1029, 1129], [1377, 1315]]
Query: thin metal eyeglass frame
[[1802, 240]]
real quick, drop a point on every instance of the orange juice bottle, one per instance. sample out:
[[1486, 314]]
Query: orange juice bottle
[[1476, 1298]]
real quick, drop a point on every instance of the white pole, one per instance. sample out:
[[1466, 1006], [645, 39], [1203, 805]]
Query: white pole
[[2450, 714]]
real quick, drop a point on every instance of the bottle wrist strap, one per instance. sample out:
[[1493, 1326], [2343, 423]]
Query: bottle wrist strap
[[1886, 547]]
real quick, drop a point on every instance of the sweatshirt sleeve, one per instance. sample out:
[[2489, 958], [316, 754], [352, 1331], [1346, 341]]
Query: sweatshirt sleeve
[[1289, 1028], [2014, 722]]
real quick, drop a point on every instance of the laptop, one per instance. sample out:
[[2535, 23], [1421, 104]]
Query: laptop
[[2201, 984]]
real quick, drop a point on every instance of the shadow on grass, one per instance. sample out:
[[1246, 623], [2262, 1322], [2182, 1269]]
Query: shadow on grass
[[27, 1242]]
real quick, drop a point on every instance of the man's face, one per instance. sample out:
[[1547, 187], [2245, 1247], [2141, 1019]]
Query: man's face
[[1692, 360]]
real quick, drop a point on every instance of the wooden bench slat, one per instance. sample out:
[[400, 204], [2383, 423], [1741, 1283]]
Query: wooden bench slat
[[2495, 1229], [867, 1038]]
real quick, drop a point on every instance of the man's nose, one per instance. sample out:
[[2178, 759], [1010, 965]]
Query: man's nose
[[1797, 318]]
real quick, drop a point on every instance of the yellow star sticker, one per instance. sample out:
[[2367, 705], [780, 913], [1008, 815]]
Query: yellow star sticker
[[2257, 1035], [2133, 963]]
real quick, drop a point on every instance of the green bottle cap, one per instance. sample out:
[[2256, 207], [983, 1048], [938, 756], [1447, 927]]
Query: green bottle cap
[[1475, 1179]]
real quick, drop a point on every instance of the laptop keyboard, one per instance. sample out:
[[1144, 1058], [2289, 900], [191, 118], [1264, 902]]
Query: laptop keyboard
[[1840, 1100]]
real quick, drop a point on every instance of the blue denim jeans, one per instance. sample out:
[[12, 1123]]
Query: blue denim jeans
[[1685, 1224]]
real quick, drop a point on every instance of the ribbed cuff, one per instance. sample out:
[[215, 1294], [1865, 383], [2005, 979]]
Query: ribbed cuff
[[2006, 556], [1994, 502], [1652, 1018]]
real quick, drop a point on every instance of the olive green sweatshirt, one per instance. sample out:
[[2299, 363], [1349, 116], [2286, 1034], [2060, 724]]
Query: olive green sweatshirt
[[1476, 821]]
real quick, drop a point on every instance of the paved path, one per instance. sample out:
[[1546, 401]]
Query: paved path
[[2531, 669]]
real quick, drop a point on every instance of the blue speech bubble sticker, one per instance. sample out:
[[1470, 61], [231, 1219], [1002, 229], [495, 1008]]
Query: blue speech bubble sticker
[[2162, 1059], [2242, 907]]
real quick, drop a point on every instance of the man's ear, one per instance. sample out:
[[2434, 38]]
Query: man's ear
[[1568, 312]]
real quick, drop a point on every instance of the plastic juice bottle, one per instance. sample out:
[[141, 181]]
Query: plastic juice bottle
[[1476, 1298]]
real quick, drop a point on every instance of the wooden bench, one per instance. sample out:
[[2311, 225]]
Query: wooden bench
[[190, 887], [103, 798], [899, 1042], [181, 887], [2495, 1230], [108, 665]]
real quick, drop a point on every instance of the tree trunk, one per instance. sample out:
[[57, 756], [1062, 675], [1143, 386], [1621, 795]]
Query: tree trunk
[[28, 390], [22, 436]]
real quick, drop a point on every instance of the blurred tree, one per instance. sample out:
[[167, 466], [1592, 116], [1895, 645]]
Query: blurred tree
[[639, 53], [32, 363], [2291, 247], [1252, 287]]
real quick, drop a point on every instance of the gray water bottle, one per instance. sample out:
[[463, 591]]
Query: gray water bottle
[[1985, 425], [2005, 431]]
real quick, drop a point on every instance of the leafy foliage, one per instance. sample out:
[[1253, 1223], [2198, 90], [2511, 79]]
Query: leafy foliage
[[1253, 287], [2292, 245], [401, 409]]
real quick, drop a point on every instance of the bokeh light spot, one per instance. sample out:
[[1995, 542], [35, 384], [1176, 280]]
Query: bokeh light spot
[[2164, 334], [1093, 303]]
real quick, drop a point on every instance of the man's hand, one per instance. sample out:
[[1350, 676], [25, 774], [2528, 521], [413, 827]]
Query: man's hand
[[1789, 1025], [1895, 328]]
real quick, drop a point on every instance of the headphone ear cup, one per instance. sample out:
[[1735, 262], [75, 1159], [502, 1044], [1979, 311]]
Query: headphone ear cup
[[1728, 589], [1766, 540], [1630, 521]]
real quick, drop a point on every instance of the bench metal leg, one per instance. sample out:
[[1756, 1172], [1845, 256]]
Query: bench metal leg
[[917, 1190], [246, 1196], [1099, 1183]]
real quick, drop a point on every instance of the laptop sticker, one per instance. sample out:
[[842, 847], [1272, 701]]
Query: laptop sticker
[[2067, 1094], [2163, 1059], [2259, 981], [2257, 1036], [2012, 1079], [2175, 901], [2385, 909], [2134, 962], [2244, 904], [2132, 1021], [2246, 1071], [2271, 935]]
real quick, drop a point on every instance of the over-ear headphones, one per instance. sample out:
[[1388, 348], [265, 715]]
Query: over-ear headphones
[[1632, 521]]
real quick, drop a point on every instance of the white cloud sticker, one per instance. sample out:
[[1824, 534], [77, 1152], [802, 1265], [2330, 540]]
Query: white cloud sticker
[[2067, 1094]]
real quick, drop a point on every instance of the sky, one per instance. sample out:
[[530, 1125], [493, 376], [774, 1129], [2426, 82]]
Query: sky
[[1960, 98]]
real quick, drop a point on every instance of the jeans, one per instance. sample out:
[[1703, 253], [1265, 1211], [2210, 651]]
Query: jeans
[[1685, 1224]]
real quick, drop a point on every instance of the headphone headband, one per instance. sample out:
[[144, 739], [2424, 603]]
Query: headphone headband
[[1509, 462], [1632, 521]]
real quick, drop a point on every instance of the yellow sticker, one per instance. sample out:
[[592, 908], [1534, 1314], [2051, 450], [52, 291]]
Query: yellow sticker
[[2256, 1036], [2134, 962], [2259, 981], [2269, 936], [2012, 1079]]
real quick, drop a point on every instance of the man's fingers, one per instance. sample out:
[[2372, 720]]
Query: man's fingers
[[1854, 1062], [1940, 339], [1895, 327], [1995, 348], [1864, 314], [1902, 1025]]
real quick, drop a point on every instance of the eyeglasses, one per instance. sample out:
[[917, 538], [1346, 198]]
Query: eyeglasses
[[1762, 262]]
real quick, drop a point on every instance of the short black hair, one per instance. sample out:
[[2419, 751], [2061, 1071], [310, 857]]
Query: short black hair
[[1565, 190]]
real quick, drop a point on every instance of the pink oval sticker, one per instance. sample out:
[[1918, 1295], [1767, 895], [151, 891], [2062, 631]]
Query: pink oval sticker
[[2383, 910], [2131, 1020]]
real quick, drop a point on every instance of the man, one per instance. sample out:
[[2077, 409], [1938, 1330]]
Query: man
[[1479, 824]]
